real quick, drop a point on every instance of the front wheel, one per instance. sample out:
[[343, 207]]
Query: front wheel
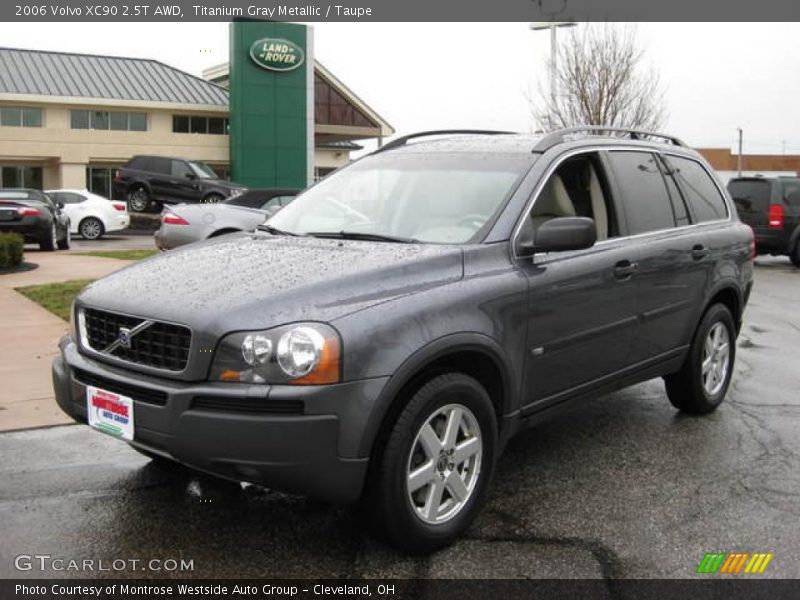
[[701, 384], [432, 477]]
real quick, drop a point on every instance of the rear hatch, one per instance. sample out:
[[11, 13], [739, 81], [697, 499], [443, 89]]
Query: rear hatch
[[752, 199]]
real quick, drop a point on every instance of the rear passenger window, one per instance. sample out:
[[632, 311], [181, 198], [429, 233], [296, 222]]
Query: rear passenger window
[[701, 194], [647, 204]]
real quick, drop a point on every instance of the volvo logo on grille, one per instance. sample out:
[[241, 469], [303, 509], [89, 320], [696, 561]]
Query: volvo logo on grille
[[124, 337]]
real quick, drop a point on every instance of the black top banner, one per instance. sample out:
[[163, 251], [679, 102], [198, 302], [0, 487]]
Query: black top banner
[[405, 10]]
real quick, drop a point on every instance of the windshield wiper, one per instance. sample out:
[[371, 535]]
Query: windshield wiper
[[275, 231], [360, 235]]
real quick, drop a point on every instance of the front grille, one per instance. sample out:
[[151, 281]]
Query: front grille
[[142, 394], [159, 345], [248, 405]]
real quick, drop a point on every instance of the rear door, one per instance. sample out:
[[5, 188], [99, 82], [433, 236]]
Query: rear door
[[669, 279], [159, 173]]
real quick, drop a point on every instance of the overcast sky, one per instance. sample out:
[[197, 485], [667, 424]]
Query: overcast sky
[[418, 76]]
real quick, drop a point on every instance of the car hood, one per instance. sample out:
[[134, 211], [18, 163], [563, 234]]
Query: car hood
[[257, 281]]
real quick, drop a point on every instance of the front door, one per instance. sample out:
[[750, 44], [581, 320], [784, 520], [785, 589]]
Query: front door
[[582, 304]]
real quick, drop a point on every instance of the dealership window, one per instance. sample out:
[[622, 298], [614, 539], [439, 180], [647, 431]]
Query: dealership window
[[15, 116], [21, 177], [98, 180], [105, 120], [199, 124]]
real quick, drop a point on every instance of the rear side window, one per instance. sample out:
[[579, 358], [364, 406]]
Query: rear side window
[[647, 203], [790, 190], [160, 165], [750, 195], [698, 188]]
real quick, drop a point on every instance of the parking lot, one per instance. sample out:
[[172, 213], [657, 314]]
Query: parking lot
[[622, 486]]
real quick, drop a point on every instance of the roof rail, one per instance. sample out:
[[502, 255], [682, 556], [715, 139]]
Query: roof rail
[[560, 136], [401, 141]]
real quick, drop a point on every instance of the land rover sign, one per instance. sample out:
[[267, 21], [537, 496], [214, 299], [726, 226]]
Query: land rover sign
[[276, 54]]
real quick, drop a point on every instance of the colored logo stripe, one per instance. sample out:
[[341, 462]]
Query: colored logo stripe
[[734, 562]]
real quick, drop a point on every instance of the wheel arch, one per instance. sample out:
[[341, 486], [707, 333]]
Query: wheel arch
[[728, 294], [99, 218], [472, 354]]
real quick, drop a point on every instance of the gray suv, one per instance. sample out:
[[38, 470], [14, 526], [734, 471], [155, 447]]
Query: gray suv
[[382, 337]]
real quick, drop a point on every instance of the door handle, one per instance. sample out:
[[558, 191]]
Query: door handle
[[699, 251], [624, 269]]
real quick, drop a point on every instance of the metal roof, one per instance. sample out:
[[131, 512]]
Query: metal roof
[[104, 77]]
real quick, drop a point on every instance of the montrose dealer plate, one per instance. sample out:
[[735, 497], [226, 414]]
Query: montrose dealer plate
[[109, 412]]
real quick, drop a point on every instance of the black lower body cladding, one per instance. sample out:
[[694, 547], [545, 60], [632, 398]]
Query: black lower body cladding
[[291, 438]]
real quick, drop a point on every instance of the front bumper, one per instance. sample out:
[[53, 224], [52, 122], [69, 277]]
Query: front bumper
[[305, 445]]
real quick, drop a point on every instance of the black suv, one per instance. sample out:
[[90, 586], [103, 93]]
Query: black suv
[[771, 206], [385, 334], [152, 181]]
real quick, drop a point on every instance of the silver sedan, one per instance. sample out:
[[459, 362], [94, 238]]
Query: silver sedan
[[186, 223]]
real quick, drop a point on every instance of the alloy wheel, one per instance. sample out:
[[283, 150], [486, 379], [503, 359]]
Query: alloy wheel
[[91, 229], [444, 464], [716, 358]]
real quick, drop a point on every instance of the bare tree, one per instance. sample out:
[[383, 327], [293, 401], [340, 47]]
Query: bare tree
[[600, 79]]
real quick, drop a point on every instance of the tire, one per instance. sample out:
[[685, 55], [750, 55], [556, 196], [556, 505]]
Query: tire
[[48, 243], [91, 228], [213, 198], [692, 391], [794, 256], [403, 516], [64, 243], [138, 199]]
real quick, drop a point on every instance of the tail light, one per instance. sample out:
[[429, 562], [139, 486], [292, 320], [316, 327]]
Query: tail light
[[120, 206], [171, 218], [775, 216], [27, 211]]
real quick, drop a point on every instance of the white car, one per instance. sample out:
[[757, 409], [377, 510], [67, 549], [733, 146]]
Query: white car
[[91, 215]]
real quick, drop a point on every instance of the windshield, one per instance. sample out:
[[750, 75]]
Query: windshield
[[202, 170], [434, 198]]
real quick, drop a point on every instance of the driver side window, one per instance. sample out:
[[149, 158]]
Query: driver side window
[[577, 188]]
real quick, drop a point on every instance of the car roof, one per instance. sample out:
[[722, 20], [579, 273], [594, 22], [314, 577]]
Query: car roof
[[23, 193]]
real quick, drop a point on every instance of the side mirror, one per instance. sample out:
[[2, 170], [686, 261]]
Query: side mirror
[[60, 203], [560, 234], [191, 175]]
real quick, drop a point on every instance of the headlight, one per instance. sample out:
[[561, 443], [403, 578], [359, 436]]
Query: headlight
[[237, 192], [300, 354]]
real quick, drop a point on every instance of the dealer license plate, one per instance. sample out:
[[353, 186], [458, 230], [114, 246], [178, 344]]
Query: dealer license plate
[[110, 412]]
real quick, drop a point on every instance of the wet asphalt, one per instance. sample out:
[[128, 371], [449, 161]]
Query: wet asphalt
[[619, 487]]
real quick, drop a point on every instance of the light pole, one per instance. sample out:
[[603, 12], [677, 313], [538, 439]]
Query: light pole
[[552, 26]]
